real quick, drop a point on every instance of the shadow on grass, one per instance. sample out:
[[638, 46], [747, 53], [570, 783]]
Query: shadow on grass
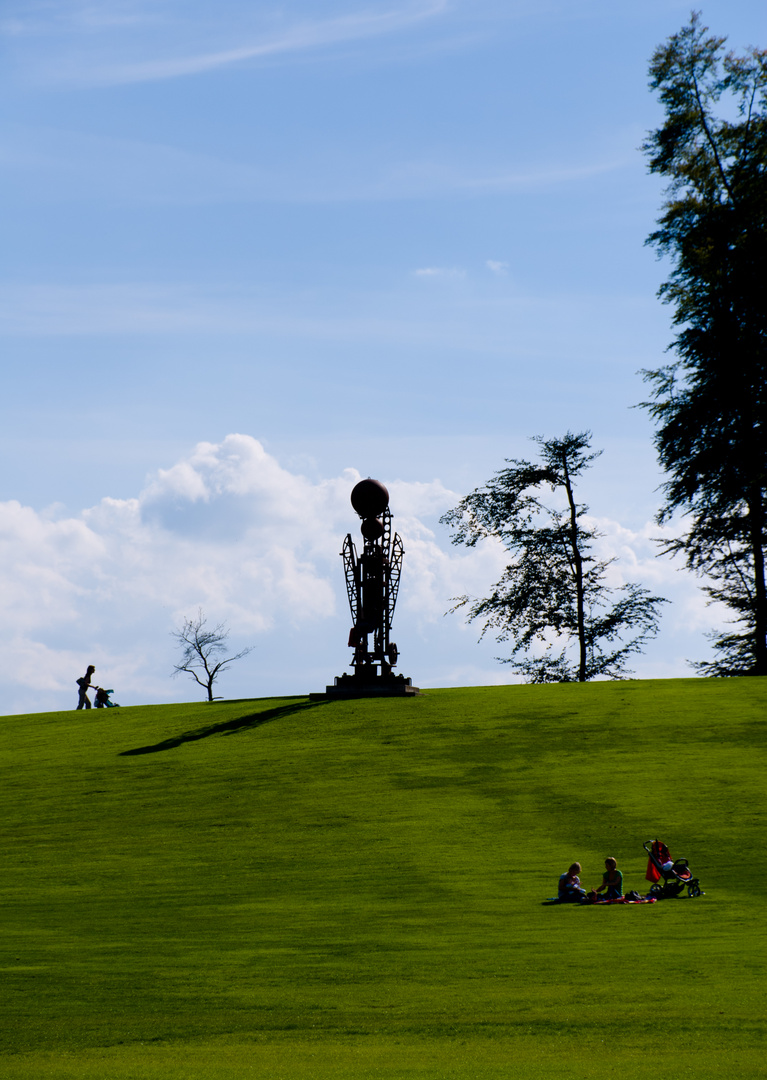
[[227, 727]]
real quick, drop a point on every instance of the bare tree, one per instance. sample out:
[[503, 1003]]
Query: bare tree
[[201, 649]]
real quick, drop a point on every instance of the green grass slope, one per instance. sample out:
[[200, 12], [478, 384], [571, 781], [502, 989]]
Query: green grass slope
[[284, 889]]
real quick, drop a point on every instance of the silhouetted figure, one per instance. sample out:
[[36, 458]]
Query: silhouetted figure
[[372, 584], [84, 683]]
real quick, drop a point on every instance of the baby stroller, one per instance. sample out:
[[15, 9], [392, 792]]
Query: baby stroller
[[669, 878], [101, 700]]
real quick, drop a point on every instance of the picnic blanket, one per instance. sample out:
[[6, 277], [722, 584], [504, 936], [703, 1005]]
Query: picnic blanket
[[602, 903], [623, 900]]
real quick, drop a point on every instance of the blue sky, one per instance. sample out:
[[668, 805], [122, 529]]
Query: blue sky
[[392, 238]]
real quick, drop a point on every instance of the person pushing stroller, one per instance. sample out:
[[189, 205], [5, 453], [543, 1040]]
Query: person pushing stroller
[[84, 684], [101, 700]]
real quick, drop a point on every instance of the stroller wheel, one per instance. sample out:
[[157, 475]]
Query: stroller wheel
[[693, 889]]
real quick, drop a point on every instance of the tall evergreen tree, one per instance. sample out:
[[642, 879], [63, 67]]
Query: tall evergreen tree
[[554, 589], [710, 403]]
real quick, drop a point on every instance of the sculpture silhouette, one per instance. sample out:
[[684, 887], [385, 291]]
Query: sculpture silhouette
[[372, 584]]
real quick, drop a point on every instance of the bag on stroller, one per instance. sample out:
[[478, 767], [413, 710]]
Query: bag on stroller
[[669, 877]]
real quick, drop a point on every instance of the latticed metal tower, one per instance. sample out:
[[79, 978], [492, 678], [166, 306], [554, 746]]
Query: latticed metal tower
[[372, 584]]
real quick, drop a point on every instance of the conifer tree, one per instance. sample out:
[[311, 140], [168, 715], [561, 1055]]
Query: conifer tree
[[710, 403], [552, 602]]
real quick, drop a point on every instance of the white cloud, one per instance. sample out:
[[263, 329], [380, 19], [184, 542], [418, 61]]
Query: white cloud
[[257, 546], [299, 38], [72, 17], [638, 558], [439, 272], [226, 529], [194, 33], [497, 267]]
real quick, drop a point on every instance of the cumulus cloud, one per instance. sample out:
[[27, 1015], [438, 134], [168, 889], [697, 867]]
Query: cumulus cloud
[[638, 557], [228, 529]]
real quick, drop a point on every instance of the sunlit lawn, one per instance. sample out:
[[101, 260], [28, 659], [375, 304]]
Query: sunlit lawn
[[274, 888]]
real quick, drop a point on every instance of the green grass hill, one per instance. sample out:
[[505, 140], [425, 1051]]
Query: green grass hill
[[283, 889]]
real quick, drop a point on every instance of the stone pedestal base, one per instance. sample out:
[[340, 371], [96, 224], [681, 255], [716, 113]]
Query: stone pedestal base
[[356, 686]]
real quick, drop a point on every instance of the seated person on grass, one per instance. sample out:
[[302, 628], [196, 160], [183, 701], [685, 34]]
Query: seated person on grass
[[570, 890], [612, 880]]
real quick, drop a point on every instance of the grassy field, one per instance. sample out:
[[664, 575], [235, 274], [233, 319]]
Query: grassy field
[[285, 889]]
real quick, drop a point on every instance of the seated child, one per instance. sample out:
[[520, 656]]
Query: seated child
[[612, 880], [663, 855], [570, 890]]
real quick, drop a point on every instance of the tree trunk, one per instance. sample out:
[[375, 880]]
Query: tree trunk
[[756, 536], [578, 574]]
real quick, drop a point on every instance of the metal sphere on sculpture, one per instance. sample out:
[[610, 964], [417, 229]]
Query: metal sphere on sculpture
[[370, 498], [372, 529]]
